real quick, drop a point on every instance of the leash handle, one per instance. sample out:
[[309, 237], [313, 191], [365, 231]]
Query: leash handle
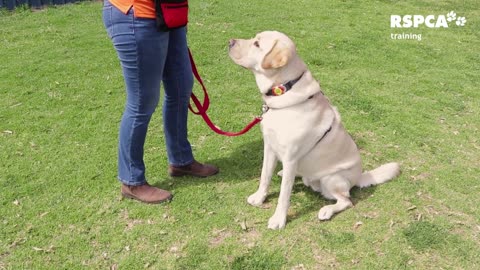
[[203, 107]]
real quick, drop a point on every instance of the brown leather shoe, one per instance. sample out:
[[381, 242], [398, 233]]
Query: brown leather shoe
[[195, 169], [146, 193]]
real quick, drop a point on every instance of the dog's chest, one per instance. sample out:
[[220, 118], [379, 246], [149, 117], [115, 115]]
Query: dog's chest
[[287, 128]]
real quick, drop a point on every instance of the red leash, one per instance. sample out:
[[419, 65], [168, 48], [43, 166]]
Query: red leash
[[203, 107]]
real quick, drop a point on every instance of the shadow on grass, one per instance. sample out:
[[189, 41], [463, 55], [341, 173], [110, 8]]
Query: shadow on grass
[[243, 164]]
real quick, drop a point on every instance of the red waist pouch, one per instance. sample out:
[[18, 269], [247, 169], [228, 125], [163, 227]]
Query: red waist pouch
[[171, 14]]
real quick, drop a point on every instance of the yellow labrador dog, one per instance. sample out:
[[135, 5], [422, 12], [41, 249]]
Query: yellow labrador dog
[[301, 129]]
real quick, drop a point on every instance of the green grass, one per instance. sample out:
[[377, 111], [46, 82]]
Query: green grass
[[415, 102]]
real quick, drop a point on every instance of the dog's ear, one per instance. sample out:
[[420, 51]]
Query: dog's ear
[[277, 57]]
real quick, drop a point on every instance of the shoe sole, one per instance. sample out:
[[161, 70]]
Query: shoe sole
[[128, 196], [180, 174]]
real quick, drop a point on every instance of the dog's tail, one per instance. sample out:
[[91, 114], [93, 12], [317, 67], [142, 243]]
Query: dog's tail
[[379, 175]]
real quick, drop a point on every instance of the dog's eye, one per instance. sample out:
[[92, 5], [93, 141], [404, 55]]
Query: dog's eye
[[256, 44]]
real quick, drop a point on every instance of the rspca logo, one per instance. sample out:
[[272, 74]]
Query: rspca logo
[[430, 21], [420, 21]]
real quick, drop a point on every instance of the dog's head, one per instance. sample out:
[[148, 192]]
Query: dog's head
[[267, 51]]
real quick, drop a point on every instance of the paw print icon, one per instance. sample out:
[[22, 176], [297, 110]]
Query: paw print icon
[[461, 21], [451, 16]]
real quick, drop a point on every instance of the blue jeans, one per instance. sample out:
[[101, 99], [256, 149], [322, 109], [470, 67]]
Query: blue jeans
[[149, 57]]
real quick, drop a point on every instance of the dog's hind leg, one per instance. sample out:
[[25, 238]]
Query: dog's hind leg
[[338, 188]]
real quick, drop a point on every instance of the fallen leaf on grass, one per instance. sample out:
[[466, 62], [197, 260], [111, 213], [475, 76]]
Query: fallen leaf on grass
[[48, 250], [391, 223], [411, 208], [357, 225], [243, 224], [17, 242], [7, 132]]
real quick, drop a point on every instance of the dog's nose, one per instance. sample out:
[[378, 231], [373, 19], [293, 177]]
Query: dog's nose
[[231, 43]]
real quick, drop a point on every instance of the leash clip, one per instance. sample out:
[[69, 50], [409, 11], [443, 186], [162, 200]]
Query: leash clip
[[265, 109]]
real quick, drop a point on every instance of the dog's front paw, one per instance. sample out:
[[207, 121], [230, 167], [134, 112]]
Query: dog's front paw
[[277, 222], [325, 213], [257, 198]]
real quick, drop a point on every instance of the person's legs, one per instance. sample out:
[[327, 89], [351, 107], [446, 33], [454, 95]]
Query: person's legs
[[178, 83], [142, 53]]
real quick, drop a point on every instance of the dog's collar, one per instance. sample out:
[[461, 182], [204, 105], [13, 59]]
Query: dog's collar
[[281, 89]]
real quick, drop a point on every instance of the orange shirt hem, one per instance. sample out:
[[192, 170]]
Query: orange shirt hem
[[141, 8]]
